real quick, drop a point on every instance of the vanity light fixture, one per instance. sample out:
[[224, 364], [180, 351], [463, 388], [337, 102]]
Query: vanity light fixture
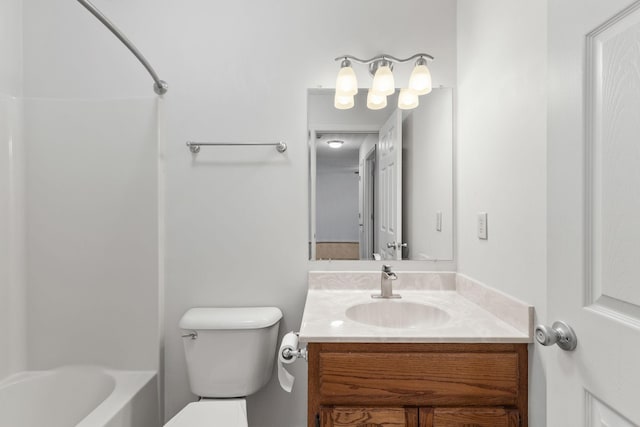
[[346, 83], [335, 143], [420, 80], [408, 99], [344, 102], [381, 68], [346, 86], [376, 102]]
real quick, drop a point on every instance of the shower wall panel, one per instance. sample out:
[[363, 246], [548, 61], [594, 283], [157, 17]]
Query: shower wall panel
[[92, 233], [11, 26], [12, 285]]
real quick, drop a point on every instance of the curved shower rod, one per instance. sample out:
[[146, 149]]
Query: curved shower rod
[[160, 86]]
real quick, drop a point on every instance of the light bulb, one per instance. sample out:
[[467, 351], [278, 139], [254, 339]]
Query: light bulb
[[383, 83], [343, 102], [346, 82], [407, 99], [376, 101], [420, 80]]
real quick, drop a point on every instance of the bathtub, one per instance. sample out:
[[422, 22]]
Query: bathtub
[[80, 396]]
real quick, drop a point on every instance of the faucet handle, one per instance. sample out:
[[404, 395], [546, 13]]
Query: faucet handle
[[386, 279]]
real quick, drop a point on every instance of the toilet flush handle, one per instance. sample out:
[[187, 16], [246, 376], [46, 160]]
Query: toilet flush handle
[[193, 335]]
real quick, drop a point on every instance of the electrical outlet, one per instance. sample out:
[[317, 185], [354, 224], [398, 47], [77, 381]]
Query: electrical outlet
[[482, 226]]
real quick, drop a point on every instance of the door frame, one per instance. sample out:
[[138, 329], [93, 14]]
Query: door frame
[[368, 196]]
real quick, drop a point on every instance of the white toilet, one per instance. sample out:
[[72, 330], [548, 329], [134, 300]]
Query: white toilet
[[230, 354]]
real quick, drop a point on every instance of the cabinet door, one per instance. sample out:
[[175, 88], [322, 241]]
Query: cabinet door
[[469, 417], [368, 417]]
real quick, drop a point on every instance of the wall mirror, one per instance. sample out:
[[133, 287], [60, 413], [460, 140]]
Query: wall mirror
[[380, 181]]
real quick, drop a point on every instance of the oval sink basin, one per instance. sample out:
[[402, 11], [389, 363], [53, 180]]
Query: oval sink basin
[[397, 314]]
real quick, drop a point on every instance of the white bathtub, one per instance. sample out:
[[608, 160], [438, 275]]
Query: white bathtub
[[79, 396]]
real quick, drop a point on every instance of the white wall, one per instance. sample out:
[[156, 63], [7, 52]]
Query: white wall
[[92, 233], [427, 172], [12, 285], [502, 62], [337, 196], [236, 218]]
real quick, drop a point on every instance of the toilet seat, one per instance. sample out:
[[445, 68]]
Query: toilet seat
[[212, 413]]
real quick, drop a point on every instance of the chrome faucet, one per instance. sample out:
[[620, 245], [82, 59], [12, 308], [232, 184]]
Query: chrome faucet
[[386, 283]]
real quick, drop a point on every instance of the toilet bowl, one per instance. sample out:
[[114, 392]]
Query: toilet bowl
[[230, 354], [212, 413]]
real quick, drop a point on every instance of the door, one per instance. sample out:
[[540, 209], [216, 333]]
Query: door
[[594, 212], [390, 188]]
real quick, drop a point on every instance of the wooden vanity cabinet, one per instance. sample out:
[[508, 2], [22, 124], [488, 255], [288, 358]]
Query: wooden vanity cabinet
[[417, 385]]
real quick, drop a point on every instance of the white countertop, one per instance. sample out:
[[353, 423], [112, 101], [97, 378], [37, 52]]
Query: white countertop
[[477, 313]]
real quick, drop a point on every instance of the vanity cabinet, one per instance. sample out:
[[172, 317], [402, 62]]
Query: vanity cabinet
[[417, 385]]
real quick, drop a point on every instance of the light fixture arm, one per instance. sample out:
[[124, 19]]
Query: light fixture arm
[[384, 57]]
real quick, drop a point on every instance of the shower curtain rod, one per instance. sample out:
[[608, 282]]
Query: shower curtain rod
[[160, 86]]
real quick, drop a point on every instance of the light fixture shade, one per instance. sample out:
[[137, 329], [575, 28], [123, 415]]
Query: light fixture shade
[[407, 99], [383, 83], [346, 83], [335, 143], [343, 102], [420, 80], [376, 101]]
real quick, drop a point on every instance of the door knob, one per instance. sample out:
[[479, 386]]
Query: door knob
[[559, 333], [394, 245]]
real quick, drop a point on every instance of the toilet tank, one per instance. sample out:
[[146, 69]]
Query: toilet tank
[[234, 350]]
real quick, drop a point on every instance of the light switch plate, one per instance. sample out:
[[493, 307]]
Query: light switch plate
[[482, 226], [438, 221]]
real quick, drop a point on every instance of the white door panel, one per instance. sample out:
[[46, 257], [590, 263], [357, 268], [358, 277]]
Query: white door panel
[[601, 415], [594, 211], [390, 172]]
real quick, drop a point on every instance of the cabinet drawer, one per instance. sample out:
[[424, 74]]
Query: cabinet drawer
[[418, 378], [368, 417], [464, 417]]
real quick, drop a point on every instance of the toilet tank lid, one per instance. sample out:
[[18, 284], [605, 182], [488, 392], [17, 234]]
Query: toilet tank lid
[[203, 318]]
